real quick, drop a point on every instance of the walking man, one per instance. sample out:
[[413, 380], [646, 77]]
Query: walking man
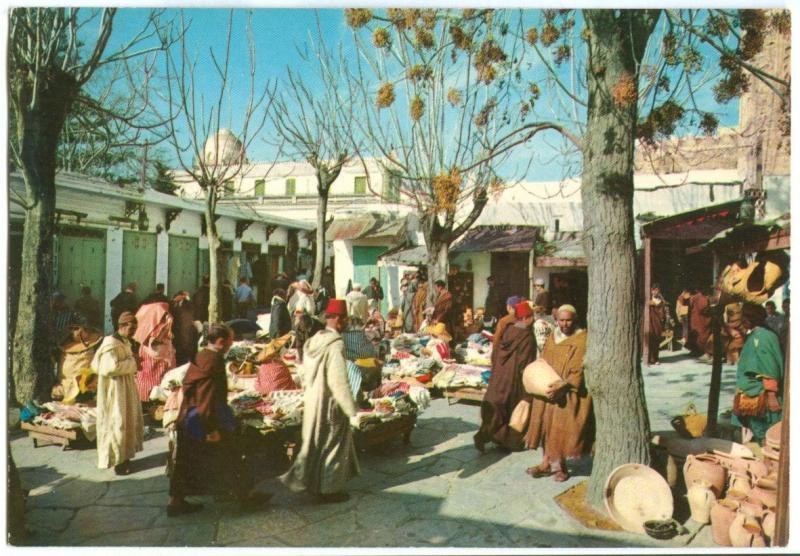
[[327, 457]]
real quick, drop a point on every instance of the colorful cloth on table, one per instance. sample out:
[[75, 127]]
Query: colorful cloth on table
[[327, 456], [274, 375], [761, 358], [120, 424], [564, 427]]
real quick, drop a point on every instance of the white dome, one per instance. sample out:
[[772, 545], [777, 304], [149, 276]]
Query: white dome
[[223, 148]]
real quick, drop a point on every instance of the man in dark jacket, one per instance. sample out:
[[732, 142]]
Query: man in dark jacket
[[201, 299], [125, 301], [374, 293], [493, 307], [184, 330], [158, 296], [206, 459], [280, 322]]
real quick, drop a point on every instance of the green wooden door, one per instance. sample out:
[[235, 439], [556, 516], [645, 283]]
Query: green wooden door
[[365, 266], [183, 261], [139, 261], [81, 262]]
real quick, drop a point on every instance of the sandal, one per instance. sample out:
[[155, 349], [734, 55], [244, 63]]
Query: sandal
[[538, 471], [560, 476], [123, 469]]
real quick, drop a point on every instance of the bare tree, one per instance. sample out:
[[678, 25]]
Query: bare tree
[[316, 124], [51, 58], [206, 156], [448, 109]]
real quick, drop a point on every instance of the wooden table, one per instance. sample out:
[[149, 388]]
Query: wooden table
[[375, 434], [44, 435], [465, 393]]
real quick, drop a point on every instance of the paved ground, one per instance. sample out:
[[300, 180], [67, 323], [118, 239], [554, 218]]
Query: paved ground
[[436, 492]]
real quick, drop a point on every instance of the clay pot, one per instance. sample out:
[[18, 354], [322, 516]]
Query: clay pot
[[701, 499], [752, 508], [745, 532], [739, 482], [757, 468], [704, 467], [722, 515], [768, 524], [765, 493]]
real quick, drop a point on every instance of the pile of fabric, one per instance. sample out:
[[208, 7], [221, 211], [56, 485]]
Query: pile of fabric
[[477, 350], [67, 417], [392, 400], [276, 410], [457, 375]]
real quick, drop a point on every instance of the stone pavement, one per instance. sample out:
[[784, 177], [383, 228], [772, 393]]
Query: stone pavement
[[436, 492]]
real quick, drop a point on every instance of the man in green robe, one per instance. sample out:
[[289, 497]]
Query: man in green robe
[[760, 369]]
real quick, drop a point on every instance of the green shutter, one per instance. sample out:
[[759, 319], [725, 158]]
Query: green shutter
[[81, 262], [290, 187], [183, 260], [259, 188], [139, 261], [361, 185]]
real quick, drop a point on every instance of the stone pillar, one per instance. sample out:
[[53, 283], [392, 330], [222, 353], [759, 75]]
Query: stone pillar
[[113, 273], [162, 259]]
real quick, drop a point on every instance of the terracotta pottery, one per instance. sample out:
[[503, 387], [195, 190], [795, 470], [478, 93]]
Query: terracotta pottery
[[705, 467], [538, 376], [739, 482], [736, 495], [773, 435], [745, 532], [757, 468], [753, 508], [701, 499], [766, 495], [722, 515], [768, 524]]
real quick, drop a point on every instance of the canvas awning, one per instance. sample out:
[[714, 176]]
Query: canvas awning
[[496, 239], [404, 255], [749, 237], [698, 224], [564, 249], [371, 225]]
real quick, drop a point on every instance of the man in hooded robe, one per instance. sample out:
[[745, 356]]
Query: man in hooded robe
[[514, 351], [327, 457]]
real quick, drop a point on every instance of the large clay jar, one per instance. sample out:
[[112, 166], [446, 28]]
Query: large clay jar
[[752, 508], [739, 482], [768, 524], [745, 532], [757, 468], [701, 499], [704, 467], [765, 494], [722, 515]]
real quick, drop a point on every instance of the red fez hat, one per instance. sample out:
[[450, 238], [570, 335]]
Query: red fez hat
[[336, 307], [523, 310]]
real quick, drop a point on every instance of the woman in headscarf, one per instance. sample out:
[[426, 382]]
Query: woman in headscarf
[[759, 377], [156, 352], [302, 299]]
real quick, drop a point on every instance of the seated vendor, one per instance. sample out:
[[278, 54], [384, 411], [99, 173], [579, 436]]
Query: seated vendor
[[428, 314], [273, 374], [438, 346]]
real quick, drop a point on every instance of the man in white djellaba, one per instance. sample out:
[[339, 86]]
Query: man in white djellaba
[[120, 424]]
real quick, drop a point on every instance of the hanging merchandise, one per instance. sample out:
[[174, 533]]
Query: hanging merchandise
[[758, 280]]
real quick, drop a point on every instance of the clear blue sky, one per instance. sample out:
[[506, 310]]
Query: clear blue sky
[[277, 35]]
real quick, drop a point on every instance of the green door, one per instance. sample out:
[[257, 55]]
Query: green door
[[365, 266], [139, 262], [82, 262], [183, 259]]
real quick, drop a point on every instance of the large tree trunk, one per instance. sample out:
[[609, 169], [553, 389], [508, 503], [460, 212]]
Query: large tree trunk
[[38, 129], [319, 259], [613, 357], [213, 255], [438, 245]]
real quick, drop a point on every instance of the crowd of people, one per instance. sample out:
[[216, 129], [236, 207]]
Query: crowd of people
[[335, 338]]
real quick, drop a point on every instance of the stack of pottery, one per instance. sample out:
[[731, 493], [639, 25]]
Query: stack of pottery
[[743, 514]]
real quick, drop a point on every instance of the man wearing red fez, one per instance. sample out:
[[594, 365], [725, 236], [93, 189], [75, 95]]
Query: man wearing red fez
[[514, 351], [327, 457]]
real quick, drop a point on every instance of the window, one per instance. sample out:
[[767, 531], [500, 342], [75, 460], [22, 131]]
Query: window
[[360, 185], [391, 192], [259, 188], [290, 187], [230, 188]]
